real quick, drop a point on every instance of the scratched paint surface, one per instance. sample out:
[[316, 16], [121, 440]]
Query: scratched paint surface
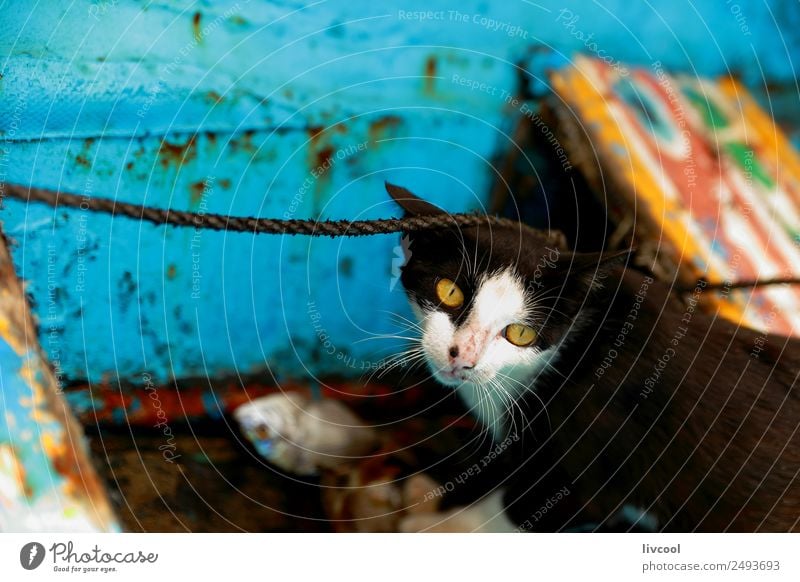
[[232, 108], [46, 480], [710, 175], [35, 494]]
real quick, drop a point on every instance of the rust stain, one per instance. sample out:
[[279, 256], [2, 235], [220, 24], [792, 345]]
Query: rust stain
[[321, 153], [198, 34], [196, 190], [178, 154], [324, 156], [247, 141], [214, 97], [346, 266], [82, 159], [129, 166], [315, 131], [172, 270], [237, 20], [430, 74], [244, 143], [318, 141], [383, 126], [225, 183], [318, 133], [63, 461]]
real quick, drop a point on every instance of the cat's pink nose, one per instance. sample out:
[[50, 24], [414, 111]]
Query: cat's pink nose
[[460, 360]]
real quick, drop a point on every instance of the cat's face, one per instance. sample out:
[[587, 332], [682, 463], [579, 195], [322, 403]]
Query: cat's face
[[493, 304], [484, 317], [490, 330]]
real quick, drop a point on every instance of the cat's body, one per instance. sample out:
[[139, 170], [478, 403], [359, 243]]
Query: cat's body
[[654, 409], [691, 418]]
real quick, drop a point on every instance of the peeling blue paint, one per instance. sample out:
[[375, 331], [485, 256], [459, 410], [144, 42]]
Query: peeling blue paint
[[233, 110]]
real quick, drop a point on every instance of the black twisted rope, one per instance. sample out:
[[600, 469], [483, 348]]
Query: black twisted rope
[[704, 285], [332, 228]]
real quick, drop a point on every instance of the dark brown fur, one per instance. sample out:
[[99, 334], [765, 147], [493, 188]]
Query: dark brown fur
[[706, 440]]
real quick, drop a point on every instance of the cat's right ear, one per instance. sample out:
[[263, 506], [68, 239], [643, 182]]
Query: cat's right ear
[[412, 204]]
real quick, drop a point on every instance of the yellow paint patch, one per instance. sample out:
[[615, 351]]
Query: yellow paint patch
[[13, 483]]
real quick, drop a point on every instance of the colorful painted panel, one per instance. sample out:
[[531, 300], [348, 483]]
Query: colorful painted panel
[[708, 182]]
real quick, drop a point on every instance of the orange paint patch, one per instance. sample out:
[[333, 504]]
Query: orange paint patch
[[11, 466]]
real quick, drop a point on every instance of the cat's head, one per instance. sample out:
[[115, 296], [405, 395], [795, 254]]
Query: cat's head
[[493, 303]]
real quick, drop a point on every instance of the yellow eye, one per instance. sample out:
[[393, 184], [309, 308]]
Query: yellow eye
[[449, 293], [519, 335]]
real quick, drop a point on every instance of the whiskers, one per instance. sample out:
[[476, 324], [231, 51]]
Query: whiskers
[[526, 389], [412, 356], [500, 402]]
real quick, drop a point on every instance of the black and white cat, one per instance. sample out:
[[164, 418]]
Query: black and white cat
[[629, 409]]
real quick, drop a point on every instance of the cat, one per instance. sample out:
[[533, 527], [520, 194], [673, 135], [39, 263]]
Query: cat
[[624, 407]]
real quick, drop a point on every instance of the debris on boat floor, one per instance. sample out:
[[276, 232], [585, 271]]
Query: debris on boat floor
[[215, 485]]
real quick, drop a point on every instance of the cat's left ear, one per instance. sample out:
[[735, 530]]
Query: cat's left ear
[[412, 204]]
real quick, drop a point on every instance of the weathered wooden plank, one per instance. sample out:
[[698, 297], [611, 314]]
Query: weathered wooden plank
[[46, 479]]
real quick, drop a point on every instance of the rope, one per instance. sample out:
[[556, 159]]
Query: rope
[[704, 285], [332, 228]]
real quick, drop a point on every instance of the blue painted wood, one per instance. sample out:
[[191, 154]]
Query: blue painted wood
[[234, 107]]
